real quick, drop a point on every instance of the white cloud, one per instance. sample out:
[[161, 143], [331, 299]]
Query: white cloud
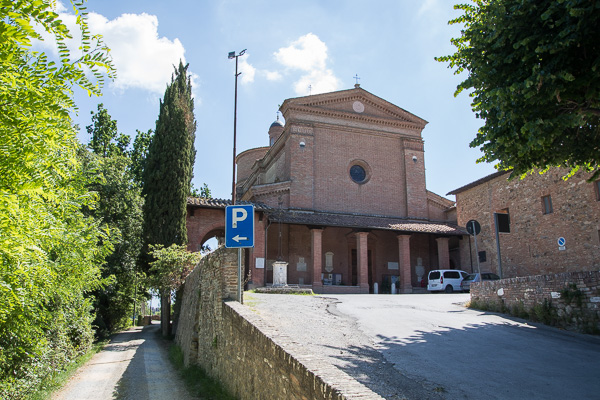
[[143, 59], [273, 75], [318, 81], [247, 70], [309, 55]]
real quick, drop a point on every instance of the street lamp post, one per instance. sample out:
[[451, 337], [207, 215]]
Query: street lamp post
[[231, 56], [233, 191]]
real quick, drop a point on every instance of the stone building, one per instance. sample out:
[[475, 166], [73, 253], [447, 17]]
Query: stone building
[[341, 197], [536, 211]]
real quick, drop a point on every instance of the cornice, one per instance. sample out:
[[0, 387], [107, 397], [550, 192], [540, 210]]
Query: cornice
[[270, 188], [354, 117]]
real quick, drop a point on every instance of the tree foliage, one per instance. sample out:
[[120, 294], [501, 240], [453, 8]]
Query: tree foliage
[[203, 192], [49, 252], [169, 165], [168, 174], [139, 154], [106, 140], [119, 210], [171, 266], [533, 68]]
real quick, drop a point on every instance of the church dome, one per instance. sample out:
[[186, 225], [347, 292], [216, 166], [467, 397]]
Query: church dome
[[275, 130], [277, 123]]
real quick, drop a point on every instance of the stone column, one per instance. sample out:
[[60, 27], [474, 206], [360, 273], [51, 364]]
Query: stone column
[[362, 257], [443, 253], [317, 256], [404, 264]]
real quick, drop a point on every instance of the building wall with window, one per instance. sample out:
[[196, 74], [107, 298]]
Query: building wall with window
[[541, 209]]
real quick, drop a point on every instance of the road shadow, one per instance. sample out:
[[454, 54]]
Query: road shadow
[[134, 382], [482, 361]]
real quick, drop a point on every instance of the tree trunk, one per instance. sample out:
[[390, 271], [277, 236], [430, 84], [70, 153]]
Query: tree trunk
[[165, 313]]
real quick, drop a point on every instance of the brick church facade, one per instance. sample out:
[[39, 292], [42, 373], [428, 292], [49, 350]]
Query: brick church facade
[[340, 196]]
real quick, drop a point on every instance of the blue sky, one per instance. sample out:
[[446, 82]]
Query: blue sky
[[291, 45]]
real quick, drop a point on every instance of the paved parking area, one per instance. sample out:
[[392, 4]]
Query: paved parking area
[[431, 346]]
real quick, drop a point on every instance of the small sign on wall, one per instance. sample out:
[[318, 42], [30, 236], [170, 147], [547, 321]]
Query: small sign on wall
[[561, 243], [392, 265], [260, 262]]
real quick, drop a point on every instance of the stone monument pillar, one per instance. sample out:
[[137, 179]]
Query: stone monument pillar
[[419, 270], [280, 273]]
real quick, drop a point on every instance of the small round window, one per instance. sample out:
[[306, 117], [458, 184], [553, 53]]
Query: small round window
[[359, 172]]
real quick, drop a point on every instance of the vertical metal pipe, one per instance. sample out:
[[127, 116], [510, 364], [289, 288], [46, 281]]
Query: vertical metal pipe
[[239, 283], [498, 245], [233, 191], [476, 251]]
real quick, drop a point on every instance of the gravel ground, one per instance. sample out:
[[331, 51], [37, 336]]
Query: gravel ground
[[134, 365], [316, 322]]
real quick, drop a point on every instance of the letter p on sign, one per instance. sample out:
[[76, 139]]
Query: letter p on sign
[[238, 215]]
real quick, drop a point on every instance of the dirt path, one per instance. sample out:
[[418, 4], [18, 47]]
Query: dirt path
[[134, 365]]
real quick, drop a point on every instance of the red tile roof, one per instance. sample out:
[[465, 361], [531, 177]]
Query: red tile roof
[[355, 221]]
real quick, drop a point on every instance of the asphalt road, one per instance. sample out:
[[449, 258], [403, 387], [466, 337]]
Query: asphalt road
[[468, 354], [134, 365]]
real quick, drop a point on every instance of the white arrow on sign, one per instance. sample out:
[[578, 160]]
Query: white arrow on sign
[[237, 238]]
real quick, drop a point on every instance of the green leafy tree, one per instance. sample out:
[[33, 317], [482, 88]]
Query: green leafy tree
[[168, 172], [106, 141], [49, 250], [203, 192], [171, 266], [533, 68], [138, 156], [119, 210], [168, 273]]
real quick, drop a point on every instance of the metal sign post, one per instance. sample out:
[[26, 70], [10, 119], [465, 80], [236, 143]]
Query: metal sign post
[[239, 233], [474, 229]]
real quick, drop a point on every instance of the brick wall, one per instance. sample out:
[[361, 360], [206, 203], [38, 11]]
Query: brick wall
[[531, 246], [250, 358], [246, 160], [570, 299], [203, 224], [336, 150]]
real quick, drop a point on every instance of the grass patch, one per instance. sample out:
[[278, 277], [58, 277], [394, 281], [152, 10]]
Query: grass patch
[[196, 380], [284, 290], [57, 380]]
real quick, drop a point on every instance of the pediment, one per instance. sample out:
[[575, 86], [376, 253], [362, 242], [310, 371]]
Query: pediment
[[355, 103]]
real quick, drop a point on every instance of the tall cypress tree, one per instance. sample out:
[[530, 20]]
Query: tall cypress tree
[[168, 172]]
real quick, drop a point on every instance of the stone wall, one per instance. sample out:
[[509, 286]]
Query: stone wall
[[570, 300], [249, 357]]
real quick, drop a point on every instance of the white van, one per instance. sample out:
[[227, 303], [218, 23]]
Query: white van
[[447, 280]]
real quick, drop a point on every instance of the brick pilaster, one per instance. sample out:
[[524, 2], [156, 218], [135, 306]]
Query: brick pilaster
[[404, 263], [363, 259], [317, 255]]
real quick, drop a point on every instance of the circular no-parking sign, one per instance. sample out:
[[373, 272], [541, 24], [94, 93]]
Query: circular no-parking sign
[[561, 241], [473, 227]]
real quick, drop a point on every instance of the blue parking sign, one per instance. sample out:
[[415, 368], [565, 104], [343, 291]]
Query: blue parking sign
[[239, 226]]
